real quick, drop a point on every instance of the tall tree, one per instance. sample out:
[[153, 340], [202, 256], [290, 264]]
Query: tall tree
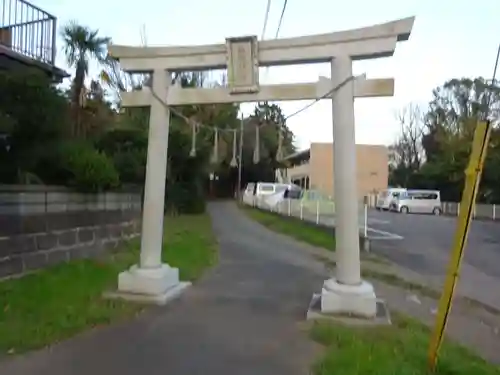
[[97, 114], [81, 44], [450, 122], [453, 113], [406, 153], [272, 121]]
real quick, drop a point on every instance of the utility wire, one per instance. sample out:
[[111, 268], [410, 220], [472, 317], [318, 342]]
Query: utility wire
[[281, 19], [332, 91], [266, 19], [309, 105], [185, 118], [327, 94], [279, 27], [495, 67]]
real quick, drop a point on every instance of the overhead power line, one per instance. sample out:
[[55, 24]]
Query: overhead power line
[[496, 65], [266, 19], [330, 92], [279, 25], [493, 82], [281, 19]]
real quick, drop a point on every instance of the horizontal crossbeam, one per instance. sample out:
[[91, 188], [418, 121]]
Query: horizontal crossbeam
[[303, 91]]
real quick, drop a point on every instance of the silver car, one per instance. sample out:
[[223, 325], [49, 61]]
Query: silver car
[[418, 201]]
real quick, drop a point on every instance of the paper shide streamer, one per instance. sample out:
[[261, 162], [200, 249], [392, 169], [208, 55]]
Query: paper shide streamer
[[215, 153], [233, 162], [256, 150], [192, 153], [279, 152]]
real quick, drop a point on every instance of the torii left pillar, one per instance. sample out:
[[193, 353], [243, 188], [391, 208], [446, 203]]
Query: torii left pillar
[[152, 280]]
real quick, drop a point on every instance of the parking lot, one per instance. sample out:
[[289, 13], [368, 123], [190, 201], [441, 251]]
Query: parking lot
[[425, 243], [433, 236]]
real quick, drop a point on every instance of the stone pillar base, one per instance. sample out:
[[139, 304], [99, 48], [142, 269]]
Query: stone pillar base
[[149, 285], [356, 300]]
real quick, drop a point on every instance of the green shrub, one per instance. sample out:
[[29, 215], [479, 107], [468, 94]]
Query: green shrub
[[34, 113], [90, 169], [127, 147], [122, 140], [131, 166], [185, 197]]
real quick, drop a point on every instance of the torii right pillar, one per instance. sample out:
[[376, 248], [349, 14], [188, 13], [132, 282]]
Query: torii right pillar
[[346, 292]]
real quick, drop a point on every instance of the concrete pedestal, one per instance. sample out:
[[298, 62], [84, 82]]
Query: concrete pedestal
[[150, 285], [357, 300]]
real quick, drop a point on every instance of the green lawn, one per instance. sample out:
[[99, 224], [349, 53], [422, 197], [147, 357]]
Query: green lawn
[[400, 349], [292, 227], [58, 302]]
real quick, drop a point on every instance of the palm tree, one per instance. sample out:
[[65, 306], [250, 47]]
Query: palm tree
[[81, 44]]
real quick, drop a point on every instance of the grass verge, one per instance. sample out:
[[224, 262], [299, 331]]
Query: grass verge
[[398, 349], [423, 290], [55, 303], [395, 280], [292, 227]]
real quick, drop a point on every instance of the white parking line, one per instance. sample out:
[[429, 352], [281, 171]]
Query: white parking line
[[382, 238], [377, 221], [385, 235]]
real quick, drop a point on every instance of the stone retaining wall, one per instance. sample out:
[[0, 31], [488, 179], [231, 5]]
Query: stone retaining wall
[[27, 224], [26, 252], [45, 225], [24, 200]]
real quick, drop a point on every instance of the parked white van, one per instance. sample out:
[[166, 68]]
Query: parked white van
[[418, 201], [249, 193], [385, 198], [268, 193]]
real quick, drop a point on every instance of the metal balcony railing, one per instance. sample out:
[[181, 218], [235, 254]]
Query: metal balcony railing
[[27, 29]]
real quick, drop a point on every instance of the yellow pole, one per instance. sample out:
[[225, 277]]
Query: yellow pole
[[472, 180]]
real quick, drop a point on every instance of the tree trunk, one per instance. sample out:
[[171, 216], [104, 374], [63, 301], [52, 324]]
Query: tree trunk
[[78, 85]]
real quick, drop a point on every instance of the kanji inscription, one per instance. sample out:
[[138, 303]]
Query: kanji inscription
[[242, 65]]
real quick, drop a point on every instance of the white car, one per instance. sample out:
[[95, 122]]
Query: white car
[[418, 201], [267, 194], [386, 197]]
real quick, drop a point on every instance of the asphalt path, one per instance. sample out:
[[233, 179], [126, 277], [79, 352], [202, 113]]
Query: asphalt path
[[243, 317]]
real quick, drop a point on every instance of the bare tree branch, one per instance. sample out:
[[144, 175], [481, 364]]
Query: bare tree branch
[[407, 150]]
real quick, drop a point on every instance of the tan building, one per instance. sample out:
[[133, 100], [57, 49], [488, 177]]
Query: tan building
[[313, 168]]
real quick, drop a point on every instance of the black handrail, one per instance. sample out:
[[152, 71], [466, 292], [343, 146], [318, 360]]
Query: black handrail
[[28, 30]]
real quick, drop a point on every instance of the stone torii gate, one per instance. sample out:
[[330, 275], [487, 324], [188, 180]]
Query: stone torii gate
[[153, 281]]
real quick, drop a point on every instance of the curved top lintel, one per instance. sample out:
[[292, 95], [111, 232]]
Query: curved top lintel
[[400, 29]]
